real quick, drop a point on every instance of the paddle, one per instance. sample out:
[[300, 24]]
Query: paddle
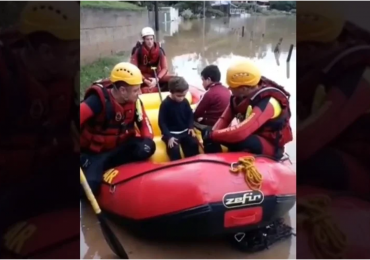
[[159, 88], [109, 236]]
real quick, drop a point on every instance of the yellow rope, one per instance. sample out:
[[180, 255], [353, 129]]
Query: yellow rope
[[251, 174], [326, 240]]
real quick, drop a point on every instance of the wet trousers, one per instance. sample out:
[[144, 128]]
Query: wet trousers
[[163, 84], [254, 144], [94, 165], [188, 144]]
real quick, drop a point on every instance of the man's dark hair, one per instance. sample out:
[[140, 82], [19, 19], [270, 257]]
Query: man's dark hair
[[119, 84], [177, 84], [212, 72]]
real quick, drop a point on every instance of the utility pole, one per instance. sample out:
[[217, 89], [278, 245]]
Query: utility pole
[[204, 9], [204, 27], [156, 16]]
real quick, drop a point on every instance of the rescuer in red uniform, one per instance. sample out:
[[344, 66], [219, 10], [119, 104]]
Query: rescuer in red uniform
[[333, 101], [151, 59], [38, 69], [262, 108], [108, 115]]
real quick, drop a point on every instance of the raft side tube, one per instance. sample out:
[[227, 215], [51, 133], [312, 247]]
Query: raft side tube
[[208, 220], [154, 190], [152, 100]]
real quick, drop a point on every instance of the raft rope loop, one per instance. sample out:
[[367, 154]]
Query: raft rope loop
[[326, 240], [251, 174]]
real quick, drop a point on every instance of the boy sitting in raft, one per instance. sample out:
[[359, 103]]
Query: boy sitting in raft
[[176, 121], [214, 102]]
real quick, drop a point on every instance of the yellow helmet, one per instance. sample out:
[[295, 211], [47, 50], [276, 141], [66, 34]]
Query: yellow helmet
[[243, 73], [318, 22], [61, 19], [126, 72]]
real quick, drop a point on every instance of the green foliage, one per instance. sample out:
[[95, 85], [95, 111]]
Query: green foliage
[[194, 6], [246, 6], [251, 7], [214, 12], [97, 70], [111, 5], [150, 5], [187, 14], [181, 6], [283, 5], [277, 5]]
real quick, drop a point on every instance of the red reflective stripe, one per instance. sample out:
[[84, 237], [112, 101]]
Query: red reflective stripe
[[147, 122]]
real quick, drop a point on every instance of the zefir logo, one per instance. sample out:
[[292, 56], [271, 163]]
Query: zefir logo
[[243, 199]]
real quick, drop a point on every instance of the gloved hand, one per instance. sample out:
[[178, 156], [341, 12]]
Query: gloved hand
[[144, 149], [206, 134]]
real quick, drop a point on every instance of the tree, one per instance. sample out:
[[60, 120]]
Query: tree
[[283, 5], [194, 6]]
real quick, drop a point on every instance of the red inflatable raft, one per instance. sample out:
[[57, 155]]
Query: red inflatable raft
[[197, 196]]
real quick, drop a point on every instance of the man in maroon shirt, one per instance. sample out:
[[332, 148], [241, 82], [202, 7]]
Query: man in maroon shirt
[[214, 102]]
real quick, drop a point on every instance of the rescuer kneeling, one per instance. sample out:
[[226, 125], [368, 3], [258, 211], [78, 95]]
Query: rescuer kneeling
[[108, 115], [261, 108]]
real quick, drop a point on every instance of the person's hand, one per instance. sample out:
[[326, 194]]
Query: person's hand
[[147, 82], [172, 142], [191, 132], [153, 83], [206, 134], [199, 119]]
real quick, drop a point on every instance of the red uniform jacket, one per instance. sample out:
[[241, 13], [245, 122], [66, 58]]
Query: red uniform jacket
[[145, 59], [260, 121]]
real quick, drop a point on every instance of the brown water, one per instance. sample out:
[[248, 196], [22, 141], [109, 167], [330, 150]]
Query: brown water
[[190, 46]]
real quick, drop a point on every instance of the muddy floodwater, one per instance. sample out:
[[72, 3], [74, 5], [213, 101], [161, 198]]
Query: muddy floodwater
[[190, 46]]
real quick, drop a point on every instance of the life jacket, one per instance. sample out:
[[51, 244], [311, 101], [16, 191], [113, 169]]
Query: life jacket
[[278, 130], [114, 125], [34, 120], [148, 58]]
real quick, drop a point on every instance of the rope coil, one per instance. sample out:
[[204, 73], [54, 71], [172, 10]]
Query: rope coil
[[251, 174], [326, 240]]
